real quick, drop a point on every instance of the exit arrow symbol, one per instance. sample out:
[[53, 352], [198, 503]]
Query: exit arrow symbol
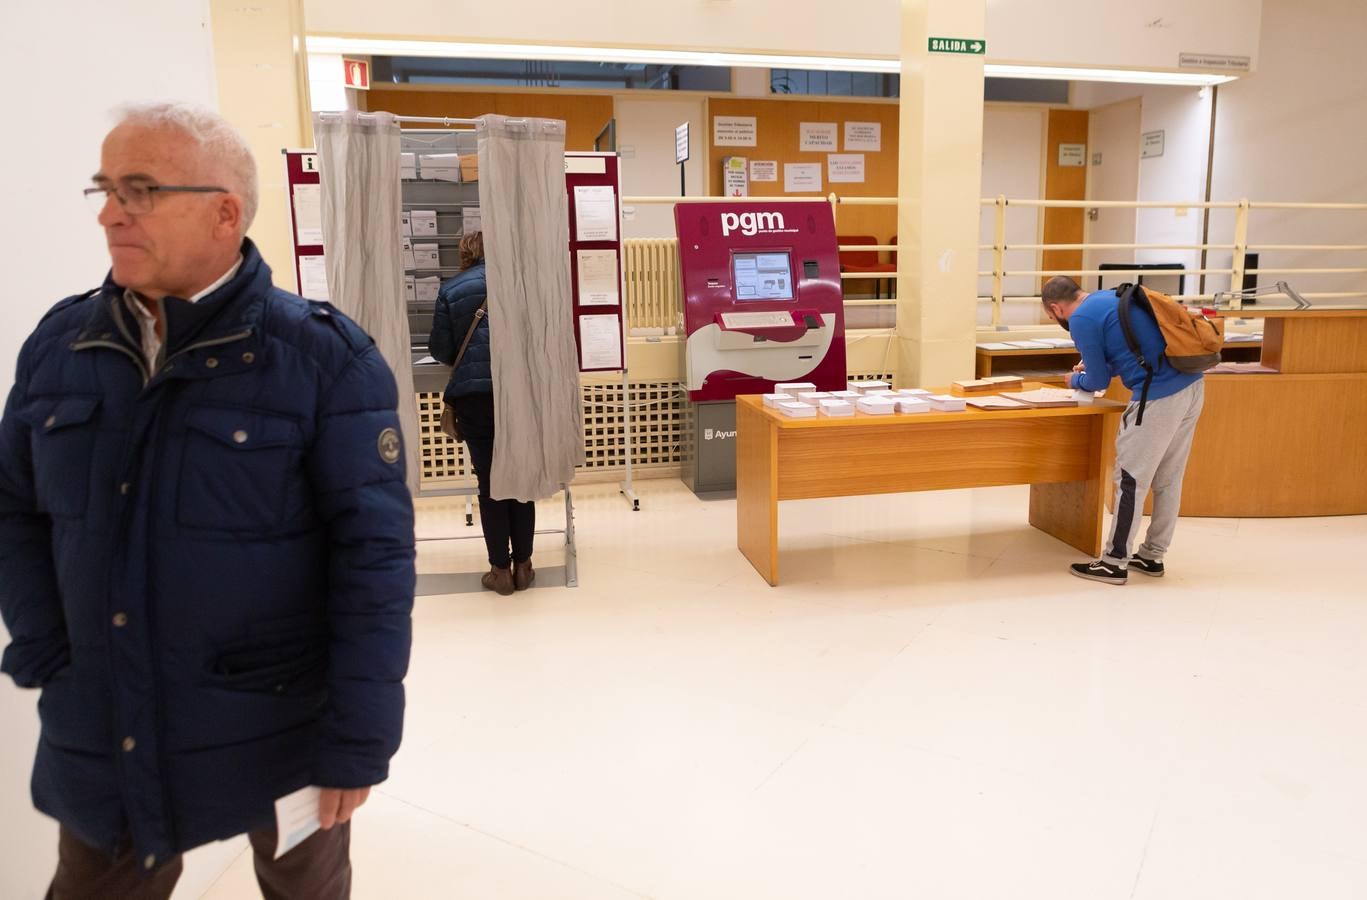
[[975, 46]]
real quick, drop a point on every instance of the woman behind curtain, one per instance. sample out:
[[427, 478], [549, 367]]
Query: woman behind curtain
[[508, 524]]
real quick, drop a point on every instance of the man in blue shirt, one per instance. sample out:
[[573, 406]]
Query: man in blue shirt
[[1148, 456]]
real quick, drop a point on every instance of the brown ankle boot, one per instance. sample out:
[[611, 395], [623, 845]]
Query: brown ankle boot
[[523, 574], [498, 580]]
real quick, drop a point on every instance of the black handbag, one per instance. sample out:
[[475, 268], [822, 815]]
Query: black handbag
[[450, 422]]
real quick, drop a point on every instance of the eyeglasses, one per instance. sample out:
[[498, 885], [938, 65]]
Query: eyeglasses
[[136, 199]]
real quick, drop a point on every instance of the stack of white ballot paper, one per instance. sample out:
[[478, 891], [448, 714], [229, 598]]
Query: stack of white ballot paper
[[830, 407], [426, 256], [427, 288], [439, 166], [994, 402], [849, 396], [864, 387], [913, 392], [946, 403], [890, 394], [912, 405], [794, 387], [798, 410], [1045, 397], [423, 222], [877, 406], [813, 396], [776, 399], [408, 165]]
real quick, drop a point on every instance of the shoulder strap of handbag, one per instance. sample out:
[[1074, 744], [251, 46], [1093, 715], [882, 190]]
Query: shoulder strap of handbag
[[479, 314]]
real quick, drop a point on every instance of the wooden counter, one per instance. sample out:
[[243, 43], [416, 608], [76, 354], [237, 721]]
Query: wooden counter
[[1058, 452]]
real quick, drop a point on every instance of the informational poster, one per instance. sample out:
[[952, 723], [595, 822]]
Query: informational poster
[[733, 131], [735, 177], [313, 275], [818, 137], [597, 271], [864, 136], [681, 143], [308, 215], [595, 213], [600, 342], [1072, 155], [845, 168], [764, 170], [801, 177], [1151, 144]]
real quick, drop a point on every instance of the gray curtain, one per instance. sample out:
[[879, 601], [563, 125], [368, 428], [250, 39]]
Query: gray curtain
[[539, 429], [358, 164]]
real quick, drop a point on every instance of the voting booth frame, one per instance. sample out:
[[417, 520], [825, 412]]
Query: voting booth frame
[[582, 170]]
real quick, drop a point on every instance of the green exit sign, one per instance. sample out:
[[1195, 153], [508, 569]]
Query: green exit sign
[[958, 45]]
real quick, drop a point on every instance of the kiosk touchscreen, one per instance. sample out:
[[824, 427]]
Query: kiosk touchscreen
[[762, 297]]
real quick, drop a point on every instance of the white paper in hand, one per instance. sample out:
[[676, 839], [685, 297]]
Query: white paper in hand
[[296, 817]]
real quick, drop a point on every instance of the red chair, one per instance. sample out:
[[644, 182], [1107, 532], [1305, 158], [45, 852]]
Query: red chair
[[864, 260]]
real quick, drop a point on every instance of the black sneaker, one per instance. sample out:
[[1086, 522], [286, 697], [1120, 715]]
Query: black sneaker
[[1152, 567], [1099, 571]]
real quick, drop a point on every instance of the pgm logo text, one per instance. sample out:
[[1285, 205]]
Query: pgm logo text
[[751, 223]]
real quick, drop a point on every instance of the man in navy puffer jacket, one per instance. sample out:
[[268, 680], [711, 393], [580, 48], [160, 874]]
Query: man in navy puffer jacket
[[206, 542]]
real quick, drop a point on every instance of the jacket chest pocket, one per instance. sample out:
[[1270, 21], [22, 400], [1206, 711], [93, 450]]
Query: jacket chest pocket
[[240, 469], [62, 435]]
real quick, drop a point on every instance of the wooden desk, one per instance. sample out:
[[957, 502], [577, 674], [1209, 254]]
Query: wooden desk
[[1061, 359], [1058, 452]]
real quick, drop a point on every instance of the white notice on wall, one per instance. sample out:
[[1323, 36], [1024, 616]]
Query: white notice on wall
[[801, 177], [864, 136], [733, 131], [764, 170], [817, 136], [308, 215], [313, 278], [600, 342], [597, 277], [1072, 155], [845, 168], [595, 213]]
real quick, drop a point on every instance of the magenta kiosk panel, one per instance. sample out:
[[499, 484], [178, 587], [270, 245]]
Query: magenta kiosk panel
[[762, 298]]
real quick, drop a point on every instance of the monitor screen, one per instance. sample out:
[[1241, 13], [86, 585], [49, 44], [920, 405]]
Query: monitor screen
[[762, 276]]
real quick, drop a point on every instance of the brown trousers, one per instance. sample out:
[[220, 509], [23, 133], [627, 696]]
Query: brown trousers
[[318, 869]]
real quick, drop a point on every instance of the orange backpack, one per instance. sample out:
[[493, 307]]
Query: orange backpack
[[1192, 340]]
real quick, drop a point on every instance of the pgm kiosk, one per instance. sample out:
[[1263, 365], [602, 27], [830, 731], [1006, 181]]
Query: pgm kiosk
[[762, 305]]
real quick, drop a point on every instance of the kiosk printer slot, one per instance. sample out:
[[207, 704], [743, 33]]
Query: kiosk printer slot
[[762, 305]]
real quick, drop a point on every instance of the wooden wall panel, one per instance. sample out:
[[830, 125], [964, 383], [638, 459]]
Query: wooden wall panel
[[584, 114], [777, 139], [1064, 226]]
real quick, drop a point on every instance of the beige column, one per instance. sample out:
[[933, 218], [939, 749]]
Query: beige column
[[940, 139], [260, 62]]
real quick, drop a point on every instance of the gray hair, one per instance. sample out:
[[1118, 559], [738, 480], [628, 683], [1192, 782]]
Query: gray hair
[[214, 137]]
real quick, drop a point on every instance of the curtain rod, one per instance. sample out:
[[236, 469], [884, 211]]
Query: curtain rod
[[426, 120]]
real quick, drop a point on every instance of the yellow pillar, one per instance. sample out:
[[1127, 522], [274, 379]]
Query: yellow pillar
[[939, 180], [260, 62]]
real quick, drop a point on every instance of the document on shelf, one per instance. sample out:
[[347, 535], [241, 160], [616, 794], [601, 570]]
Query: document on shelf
[[1028, 345], [600, 342], [427, 288], [595, 213], [1045, 397], [597, 270], [308, 215], [313, 278], [296, 817], [995, 345], [994, 402]]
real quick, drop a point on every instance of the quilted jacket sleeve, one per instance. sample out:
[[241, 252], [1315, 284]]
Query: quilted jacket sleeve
[[357, 469], [29, 601], [442, 342]]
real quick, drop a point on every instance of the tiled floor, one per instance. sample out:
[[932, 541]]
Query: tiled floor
[[928, 707]]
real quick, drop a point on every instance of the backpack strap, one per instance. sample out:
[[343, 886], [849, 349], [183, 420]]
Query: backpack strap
[[1127, 295]]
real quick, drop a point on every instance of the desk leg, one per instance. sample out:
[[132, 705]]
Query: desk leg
[[1075, 511], [757, 491]]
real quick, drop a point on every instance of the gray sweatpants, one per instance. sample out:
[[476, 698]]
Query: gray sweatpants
[[1152, 456]]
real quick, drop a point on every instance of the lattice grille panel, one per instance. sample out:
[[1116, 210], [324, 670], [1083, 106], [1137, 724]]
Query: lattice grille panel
[[442, 458]]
